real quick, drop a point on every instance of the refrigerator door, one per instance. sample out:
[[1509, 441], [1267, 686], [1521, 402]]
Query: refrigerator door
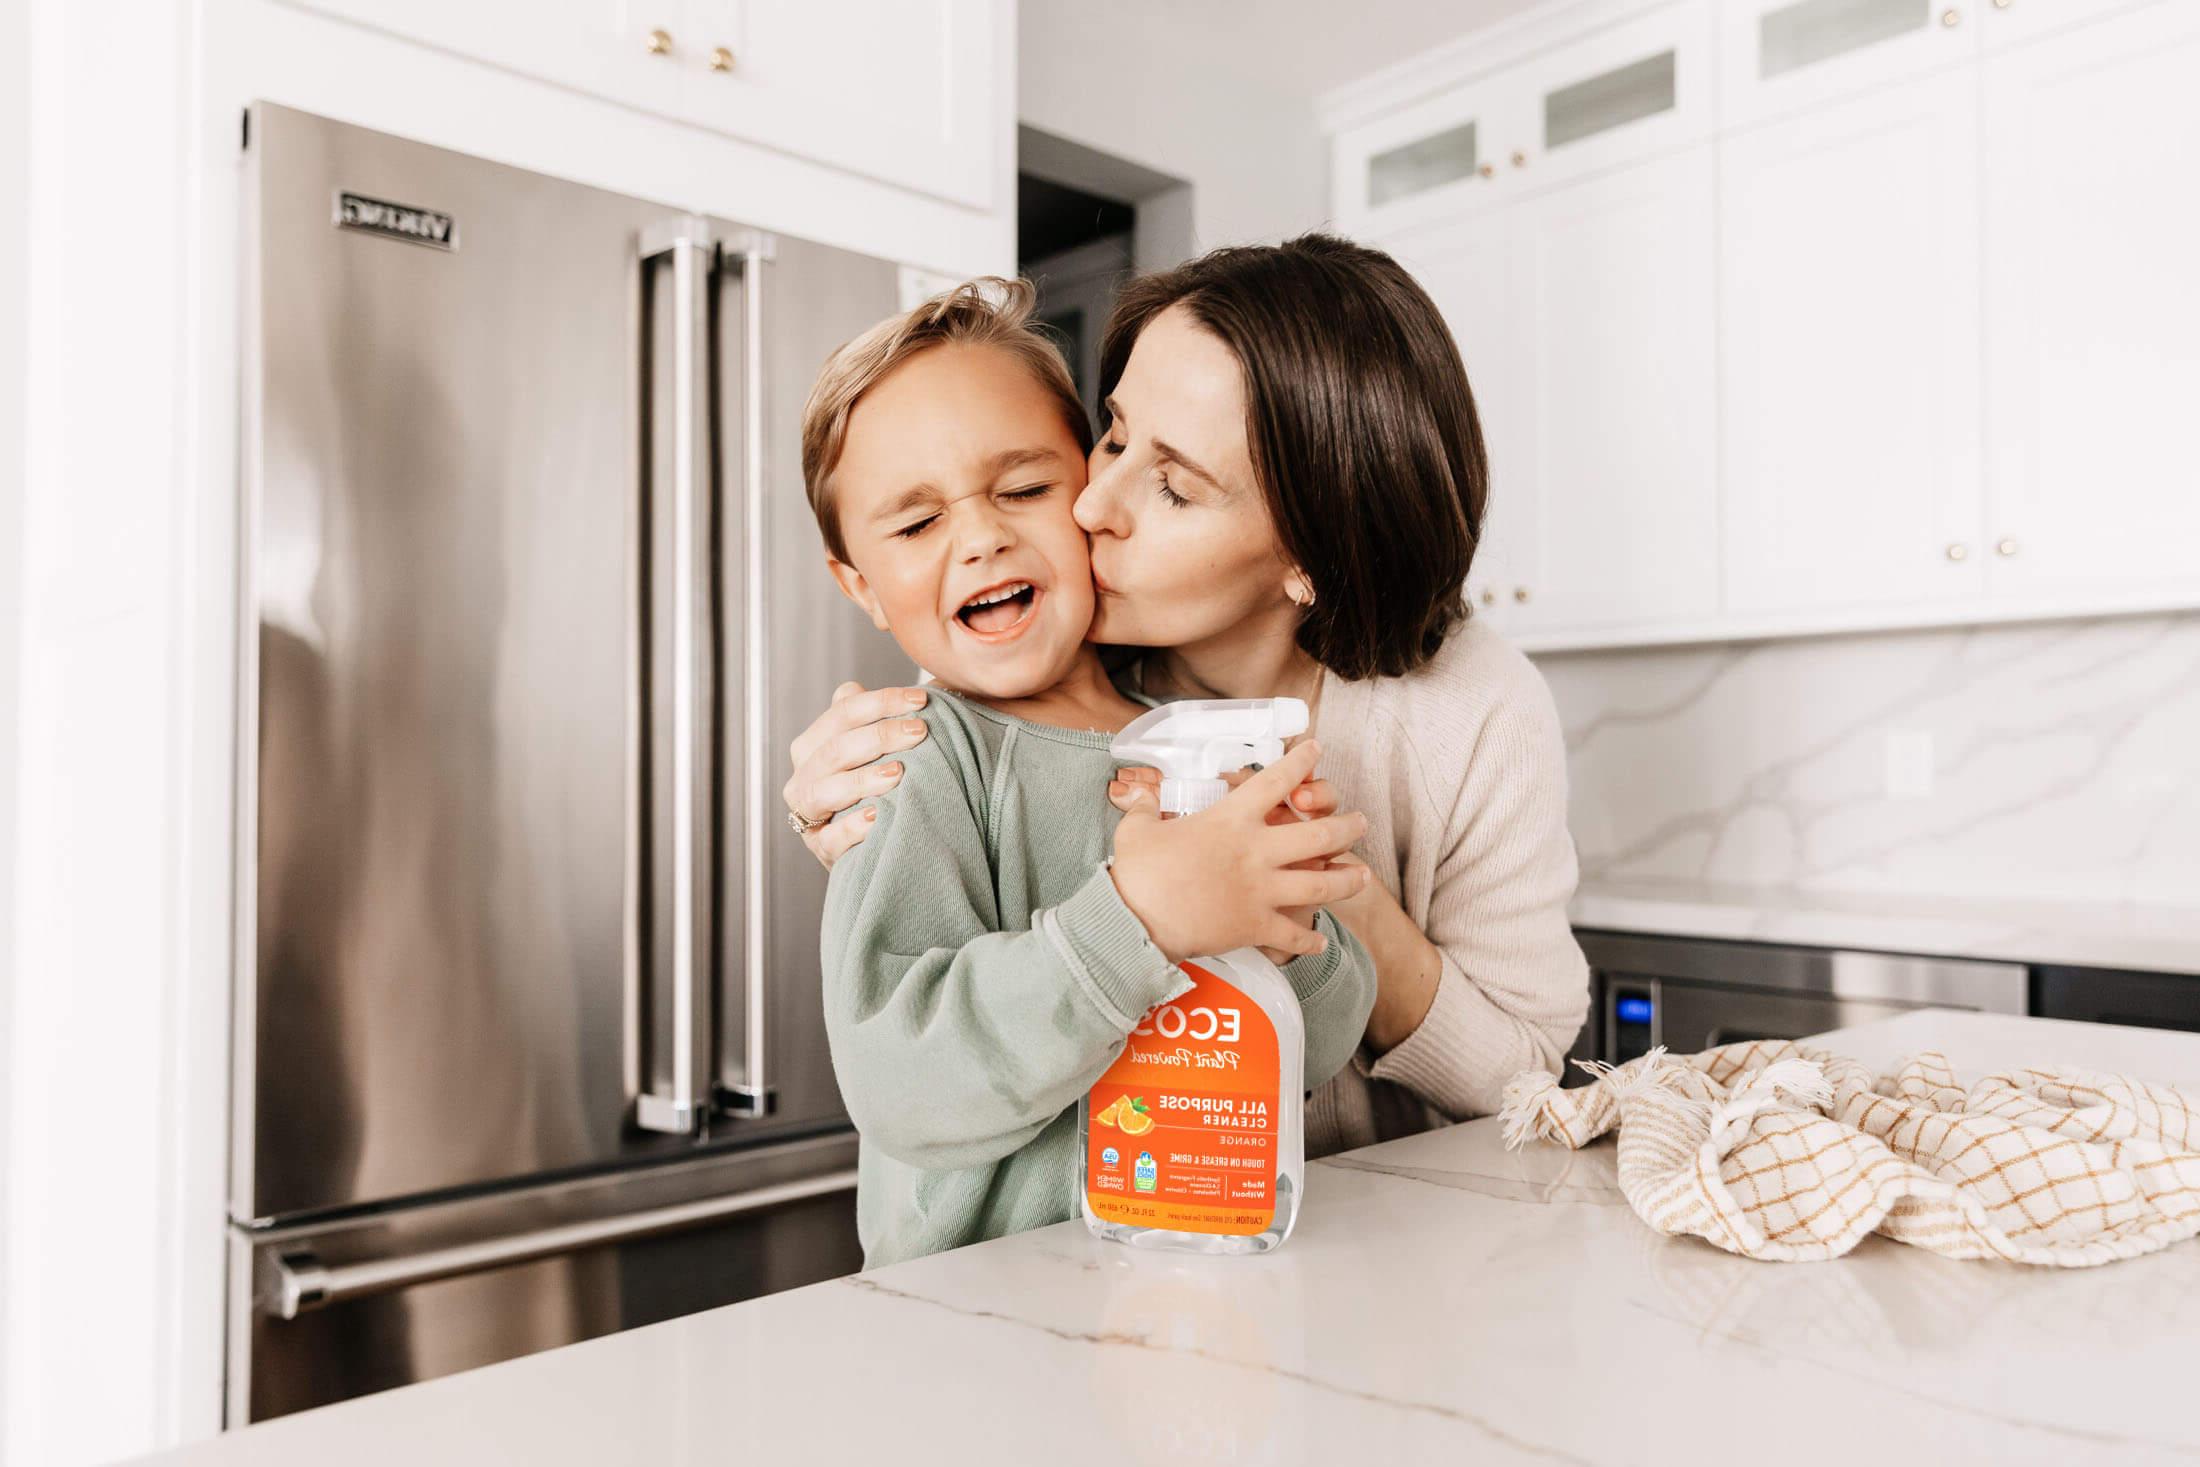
[[790, 639], [507, 445], [326, 1312], [441, 499]]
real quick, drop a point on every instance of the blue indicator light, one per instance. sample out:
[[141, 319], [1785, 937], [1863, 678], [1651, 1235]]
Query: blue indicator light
[[1633, 1010]]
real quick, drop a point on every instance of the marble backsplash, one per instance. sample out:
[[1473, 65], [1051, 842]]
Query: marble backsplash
[[2049, 762]]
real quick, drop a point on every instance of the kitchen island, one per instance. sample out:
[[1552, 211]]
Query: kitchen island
[[1443, 1300]]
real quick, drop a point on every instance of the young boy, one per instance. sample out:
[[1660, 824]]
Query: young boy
[[983, 960]]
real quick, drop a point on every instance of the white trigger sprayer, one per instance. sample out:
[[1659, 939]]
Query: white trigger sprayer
[[1195, 743]]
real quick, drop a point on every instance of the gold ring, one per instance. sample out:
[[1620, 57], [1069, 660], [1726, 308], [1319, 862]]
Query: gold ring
[[800, 826]]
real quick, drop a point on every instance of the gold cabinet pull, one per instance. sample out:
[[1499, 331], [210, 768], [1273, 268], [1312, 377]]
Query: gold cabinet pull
[[721, 59], [659, 42]]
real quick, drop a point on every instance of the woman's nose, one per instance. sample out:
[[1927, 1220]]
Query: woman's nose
[[1097, 510]]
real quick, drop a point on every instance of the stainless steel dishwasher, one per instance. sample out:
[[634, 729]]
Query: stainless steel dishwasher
[[1690, 993]]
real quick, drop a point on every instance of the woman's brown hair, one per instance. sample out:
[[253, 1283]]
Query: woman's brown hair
[[1362, 430]]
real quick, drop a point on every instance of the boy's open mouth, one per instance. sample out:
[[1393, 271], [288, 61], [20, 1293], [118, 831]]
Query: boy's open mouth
[[999, 612]]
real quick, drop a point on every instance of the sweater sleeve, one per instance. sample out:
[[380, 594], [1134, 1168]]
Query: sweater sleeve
[[1336, 989], [1514, 986], [956, 1044]]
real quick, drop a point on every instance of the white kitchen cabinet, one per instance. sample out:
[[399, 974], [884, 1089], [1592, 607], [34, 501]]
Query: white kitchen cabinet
[[1584, 316], [2016, 22], [1620, 521], [1466, 265], [1620, 95], [2092, 217], [1781, 57], [903, 91], [1614, 97], [1849, 330]]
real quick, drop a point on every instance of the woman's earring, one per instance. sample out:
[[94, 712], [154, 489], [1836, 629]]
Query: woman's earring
[[1299, 589]]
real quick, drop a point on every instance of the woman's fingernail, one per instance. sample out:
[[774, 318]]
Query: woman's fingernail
[[1304, 799], [870, 813], [912, 726], [914, 698], [890, 771]]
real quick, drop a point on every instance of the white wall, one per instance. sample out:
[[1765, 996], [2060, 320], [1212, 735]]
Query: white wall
[[105, 1190], [14, 296], [2054, 762], [1147, 80]]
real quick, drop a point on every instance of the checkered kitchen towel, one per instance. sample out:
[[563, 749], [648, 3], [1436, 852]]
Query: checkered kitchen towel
[[1778, 1152]]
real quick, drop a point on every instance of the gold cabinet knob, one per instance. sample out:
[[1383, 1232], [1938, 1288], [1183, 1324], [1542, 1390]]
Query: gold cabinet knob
[[1959, 551], [659, 42], [2005, 547], [721, 59], [1951, 18], [1520, 159], [1489, 598], [1520, 593], [1488, 170]]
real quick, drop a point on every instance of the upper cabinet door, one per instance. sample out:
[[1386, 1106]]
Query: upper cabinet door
[[2093, 307], [1616, 97], [1618, 524], [1850, 337], [1785, 56], [606, 48], [1428, 161], [2014, 22], [903, 91], [1467, 267]]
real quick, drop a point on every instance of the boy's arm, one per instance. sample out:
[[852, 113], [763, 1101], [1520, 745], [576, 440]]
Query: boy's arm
[[1336, 989], [956, 1044]]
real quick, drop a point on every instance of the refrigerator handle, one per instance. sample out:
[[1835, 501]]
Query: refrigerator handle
[[289, 1282], [673, 1091], [752, 1094]]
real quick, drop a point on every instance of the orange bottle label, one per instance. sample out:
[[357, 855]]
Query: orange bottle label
[[1182, 1130]]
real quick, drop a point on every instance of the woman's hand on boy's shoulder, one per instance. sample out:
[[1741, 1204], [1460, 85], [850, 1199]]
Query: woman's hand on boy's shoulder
[[836, 762]]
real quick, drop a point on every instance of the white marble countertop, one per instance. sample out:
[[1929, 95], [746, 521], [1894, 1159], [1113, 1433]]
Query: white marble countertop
[[1442, 1301], [2097, 935]]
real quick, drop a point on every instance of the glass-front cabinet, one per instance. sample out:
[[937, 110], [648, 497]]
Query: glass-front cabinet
[[1619, 96], [1785, 56]]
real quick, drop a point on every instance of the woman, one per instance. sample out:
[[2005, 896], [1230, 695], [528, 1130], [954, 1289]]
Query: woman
[[1285, 503]]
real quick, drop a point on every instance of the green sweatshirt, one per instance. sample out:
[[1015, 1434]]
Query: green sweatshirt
[[981, 972]]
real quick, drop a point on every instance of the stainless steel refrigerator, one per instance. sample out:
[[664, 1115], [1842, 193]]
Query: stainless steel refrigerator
[[528, 1036]]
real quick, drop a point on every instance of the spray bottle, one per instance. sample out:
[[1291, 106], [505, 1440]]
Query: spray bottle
[[1194, 1138]]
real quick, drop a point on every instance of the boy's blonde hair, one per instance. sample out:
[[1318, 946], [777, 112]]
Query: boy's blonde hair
[[988, 311]]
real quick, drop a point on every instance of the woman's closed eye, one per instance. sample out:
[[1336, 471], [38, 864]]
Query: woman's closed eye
[[1169, 496]]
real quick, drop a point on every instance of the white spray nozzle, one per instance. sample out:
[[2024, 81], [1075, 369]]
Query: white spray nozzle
[[1196, 742]]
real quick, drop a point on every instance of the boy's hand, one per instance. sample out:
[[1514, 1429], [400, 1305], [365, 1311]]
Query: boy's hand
[[1228, 877]]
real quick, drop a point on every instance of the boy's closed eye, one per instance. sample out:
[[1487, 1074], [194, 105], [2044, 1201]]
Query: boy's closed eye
[[917, 527]]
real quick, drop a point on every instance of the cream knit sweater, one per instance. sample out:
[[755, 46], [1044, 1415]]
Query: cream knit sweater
[[1460, 768]]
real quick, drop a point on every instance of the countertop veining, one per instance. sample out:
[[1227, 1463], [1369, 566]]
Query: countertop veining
[[1443, 1300]]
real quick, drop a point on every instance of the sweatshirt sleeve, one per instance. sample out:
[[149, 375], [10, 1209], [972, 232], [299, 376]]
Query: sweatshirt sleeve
[[956, 1044], [1514, 988], [1336, 989]]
